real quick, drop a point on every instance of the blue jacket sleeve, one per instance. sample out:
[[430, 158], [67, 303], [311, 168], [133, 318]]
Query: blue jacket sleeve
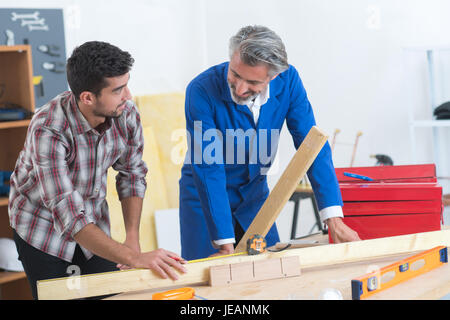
[[299, 120], [205, 150]]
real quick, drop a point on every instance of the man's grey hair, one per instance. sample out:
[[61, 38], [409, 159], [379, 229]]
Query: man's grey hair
[[259, 44]]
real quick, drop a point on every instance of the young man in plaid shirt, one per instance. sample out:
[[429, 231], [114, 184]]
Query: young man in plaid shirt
[[57, 204]]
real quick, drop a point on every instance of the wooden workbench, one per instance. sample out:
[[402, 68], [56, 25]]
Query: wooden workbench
[[313, 281]]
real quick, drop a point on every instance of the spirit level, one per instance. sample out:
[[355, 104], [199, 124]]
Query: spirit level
[[368, 284]]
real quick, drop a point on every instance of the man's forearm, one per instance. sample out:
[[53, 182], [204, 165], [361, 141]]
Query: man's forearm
[[95, 240], [161, 261], [132, 209]]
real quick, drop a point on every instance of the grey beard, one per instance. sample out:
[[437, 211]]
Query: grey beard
[[241, 101]]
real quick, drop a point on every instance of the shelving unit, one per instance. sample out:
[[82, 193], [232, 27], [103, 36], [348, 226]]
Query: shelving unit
[[14, 124], [16, 79], [3, 201], [430, 123], [436, 128]]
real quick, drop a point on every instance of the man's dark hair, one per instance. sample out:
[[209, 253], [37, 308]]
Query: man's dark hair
[[94, 61]]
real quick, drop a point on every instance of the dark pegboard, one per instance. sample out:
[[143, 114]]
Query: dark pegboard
[[43, 30]]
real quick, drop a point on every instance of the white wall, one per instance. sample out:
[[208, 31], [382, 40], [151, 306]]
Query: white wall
[[349, 54], [165, 37], [353, 70], [351, 57]]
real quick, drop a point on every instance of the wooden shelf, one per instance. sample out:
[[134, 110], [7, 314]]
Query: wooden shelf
[[3, 201], [14, 124], [16, 77], [18, 48], [6, 276], [431, 123]]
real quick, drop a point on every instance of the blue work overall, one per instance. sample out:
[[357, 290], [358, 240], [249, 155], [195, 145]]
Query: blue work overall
[[223, 179]]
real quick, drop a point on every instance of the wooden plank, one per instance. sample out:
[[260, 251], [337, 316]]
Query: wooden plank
[[286, 185], [290, 266], [267, 269], [221, 275], [277, 268], [313, 282], [252, 271], [239, 272], [142, 279]]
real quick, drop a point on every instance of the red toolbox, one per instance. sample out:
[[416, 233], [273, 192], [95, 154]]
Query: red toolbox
[[405, 173], [398, 200]]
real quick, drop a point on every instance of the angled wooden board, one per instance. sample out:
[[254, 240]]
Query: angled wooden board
[[252, 271], [286, 185]]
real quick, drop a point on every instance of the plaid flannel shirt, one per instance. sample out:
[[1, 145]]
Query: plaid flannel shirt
[[59, 183]]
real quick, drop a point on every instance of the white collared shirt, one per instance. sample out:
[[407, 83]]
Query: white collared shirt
[[260, 100]]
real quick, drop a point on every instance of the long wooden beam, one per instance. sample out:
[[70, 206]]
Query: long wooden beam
[[141, 279], [285, 187]]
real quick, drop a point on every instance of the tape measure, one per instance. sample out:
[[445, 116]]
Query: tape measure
[[256, 245], [217, 257], [186, 293]]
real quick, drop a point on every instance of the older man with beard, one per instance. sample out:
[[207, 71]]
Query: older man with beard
[[234, 113]]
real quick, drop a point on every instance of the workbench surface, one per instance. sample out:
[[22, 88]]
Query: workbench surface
[[311, 284]]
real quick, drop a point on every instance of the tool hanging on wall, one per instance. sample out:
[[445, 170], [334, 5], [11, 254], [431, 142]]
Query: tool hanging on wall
[[333, 142], [56, 67], [355, 144], [29, 23], [39, 84], [18, 16], [398, 272], [49, 50], [30, 20], [354, 148], [9, 37]]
